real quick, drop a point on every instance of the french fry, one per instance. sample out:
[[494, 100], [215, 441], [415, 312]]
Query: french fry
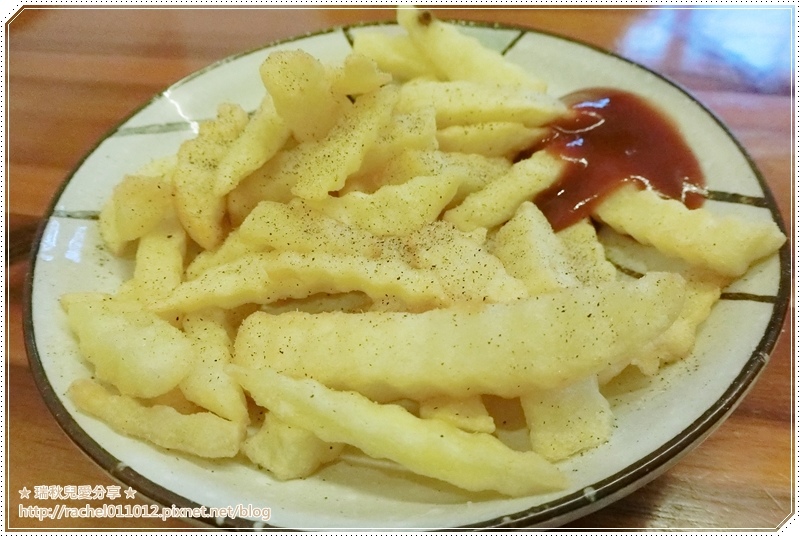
[[727, 245], [301, 88], [703, 289], [569, 420], [410, 132], [541, 342], [203, 434], [433, 448], [586, 255], [107, 228], [130, 347], [497, 202], [496, 139], [207, 384], [271, 182], [392, 210], [473, 171], [458, 56], [136, 205], [463, 102], [359, 74], [140, 203], [678, 341], [328, 163], [160, 257], [262, 137], [395, 54], [200, 209], [531, 251], [267, 277], [293, 227], [288, 451]]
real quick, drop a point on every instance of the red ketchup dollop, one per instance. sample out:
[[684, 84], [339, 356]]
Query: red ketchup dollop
[[609, 138]]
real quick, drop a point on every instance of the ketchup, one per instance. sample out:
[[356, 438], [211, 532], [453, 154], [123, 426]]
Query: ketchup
[[609, 138]]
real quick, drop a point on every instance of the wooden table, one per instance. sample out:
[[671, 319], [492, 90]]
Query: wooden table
[[75, 73]]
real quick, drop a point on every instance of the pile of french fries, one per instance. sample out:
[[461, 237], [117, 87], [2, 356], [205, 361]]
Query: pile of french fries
[[357, 264]]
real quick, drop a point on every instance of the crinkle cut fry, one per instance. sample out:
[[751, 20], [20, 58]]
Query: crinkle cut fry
[[432, 448], [263, 278], [203, 434], [546, 341], [727, 245]]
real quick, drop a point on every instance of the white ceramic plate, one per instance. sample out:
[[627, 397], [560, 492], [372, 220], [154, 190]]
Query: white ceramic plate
[[656, 424]]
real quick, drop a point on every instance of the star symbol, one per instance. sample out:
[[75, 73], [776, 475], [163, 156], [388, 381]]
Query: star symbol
[[130, 493], [24, 494]]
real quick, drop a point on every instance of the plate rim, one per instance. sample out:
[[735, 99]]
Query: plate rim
[[563, 509]]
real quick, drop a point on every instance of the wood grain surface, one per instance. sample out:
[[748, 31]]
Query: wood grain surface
[[73, 74]]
